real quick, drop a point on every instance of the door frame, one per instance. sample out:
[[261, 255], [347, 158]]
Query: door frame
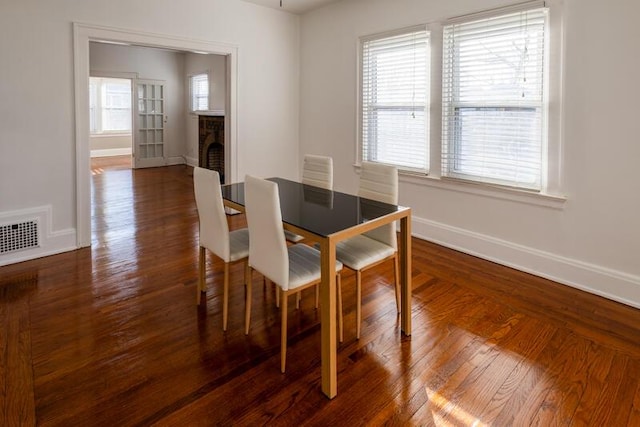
[[85, 33]]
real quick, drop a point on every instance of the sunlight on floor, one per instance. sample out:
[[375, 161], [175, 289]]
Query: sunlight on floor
[[443, 409]]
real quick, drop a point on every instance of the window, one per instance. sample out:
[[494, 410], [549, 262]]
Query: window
[[109, 105], [199, 87], [493, 99], [393, 99]]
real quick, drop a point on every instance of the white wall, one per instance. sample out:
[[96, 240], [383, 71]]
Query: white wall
[[37, 81], [103, 144], [154, 64], [216, 66], [593, 241]]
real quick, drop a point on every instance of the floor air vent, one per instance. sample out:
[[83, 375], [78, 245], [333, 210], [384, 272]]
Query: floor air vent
[[15, 237]]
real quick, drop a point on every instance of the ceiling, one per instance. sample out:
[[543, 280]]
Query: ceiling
[[293, 6]]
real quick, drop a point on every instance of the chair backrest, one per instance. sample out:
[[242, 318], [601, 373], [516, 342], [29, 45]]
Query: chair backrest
[[214, 229], [380, 182], [267, 245], [318, 171]]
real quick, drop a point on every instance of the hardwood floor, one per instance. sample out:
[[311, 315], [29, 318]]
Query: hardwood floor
[[111, 335], [101, 164]]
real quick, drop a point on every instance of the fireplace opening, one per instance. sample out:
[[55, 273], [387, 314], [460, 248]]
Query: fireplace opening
[[211, 144], [215, 159]]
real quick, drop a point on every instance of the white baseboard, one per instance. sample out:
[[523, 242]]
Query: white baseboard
[[177, 160], [111, 152], [605, 282], [50, 242], [191, 161]]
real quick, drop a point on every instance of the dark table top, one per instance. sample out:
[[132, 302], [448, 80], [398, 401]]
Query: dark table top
[[316, 210]]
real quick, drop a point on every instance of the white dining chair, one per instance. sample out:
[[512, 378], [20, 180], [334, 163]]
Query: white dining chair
[[377, 182], [317, 171], [214, 234], [291, 268]]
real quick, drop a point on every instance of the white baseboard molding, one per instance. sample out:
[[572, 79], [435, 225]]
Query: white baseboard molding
[[111, 152], [191, 161], [605, 282], [177, 160], [50, 242]]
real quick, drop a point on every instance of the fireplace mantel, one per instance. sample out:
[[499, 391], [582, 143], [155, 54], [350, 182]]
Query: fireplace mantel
[[211, 113]]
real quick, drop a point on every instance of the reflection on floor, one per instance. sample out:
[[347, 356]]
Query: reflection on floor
[[100, 164]]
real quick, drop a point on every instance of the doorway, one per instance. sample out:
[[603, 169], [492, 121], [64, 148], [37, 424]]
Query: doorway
[[83, 35]]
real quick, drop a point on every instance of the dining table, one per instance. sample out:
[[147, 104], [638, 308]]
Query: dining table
[[328, 217]]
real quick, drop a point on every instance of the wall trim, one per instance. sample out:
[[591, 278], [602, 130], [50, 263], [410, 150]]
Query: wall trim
[[175, 160], [108, 152], [191, 161], [51, 242], [83, 34], [598, 280]]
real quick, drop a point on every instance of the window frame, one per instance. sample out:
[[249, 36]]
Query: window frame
[[388, 107], [191, 78], [453, 127], [551, 194], [98, 109]]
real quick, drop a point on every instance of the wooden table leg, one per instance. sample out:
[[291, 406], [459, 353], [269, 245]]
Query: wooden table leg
[[405, 273], [329, 346]]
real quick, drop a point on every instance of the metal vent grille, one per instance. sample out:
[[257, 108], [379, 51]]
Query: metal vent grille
[[15, 237]]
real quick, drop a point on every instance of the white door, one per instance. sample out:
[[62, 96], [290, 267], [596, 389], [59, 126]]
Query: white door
[[150, 124]]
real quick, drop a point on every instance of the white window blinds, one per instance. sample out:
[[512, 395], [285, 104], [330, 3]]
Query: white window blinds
[[200, 92], [493, 99], [394, 93]]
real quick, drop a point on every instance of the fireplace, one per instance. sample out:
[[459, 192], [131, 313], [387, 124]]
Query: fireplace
[[211, 144]]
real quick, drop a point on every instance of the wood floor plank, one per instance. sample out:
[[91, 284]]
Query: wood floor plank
[[472, 386], [111, 335], [626, 395], [634, 413], [603, 408], [591, 379], [16, 383], [509, 396], [560, 403], [493, 367], [536, 383]]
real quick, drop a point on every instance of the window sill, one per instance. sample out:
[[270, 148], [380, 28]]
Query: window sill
[[485, 190], [110, 135]]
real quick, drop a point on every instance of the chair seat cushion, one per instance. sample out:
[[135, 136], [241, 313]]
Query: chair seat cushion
[[238, 244], [360, 251], [304, 265], [292, 237]]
